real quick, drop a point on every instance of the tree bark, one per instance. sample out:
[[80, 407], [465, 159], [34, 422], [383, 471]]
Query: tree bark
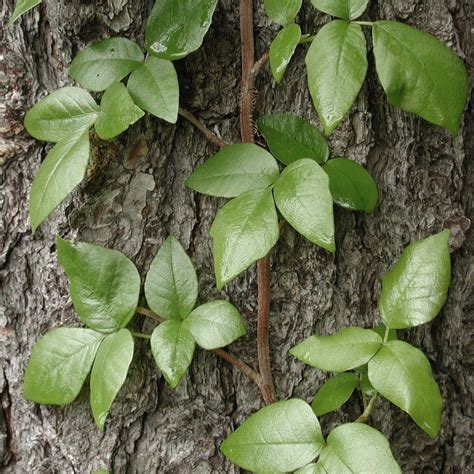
[[134, 197]]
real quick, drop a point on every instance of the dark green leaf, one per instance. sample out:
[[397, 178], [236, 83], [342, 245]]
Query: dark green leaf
[[402, 374], [334, 393], [351, 185], [62, 114], [355, 447], [100, 65], [235, 170], [282, 49], [176, 29], [171, 286], [346, 9], [59, 364], [416, 288], [117, 112], [215, 324], [278, 438], [62, 170], [173, 349], [420, 74], [109, 372], [245, 230], [282, 12], [346, 350], [21, 7], [337, 65], [154, 87], [104, 284], [365, 385], [292, 138], [302, 196]]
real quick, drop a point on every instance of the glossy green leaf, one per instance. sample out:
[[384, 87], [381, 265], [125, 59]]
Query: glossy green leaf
[[62, 114], [281, 437], [176, 29], [346, 9], [420, 74], [346, 350], [282, 12], [282, 49], [334, 393], [117, 112], [173, 349], [416, 288], [154, 87], [355, 447], [171, 285], [21, 7], [402, 374], [62, 170], [98, 66], [351, 185], [292, 138], [244, 230], [302, 196], [235, 170], [104, 284], [215, 324], [109, 372], [337, 65], [59, 364]]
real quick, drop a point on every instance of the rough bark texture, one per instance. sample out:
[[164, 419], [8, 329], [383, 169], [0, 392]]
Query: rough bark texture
[[134, 197]]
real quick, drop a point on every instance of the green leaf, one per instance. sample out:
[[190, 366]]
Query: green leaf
[[312, 468], [59, 364], [21, 7], [173, 349], [104, 284], [302, 196], [176, 29], [334, 393], [346, 350], [282, 49], [117, 112], [402, 374], [282, 12], [337, 65], [365, 384], [171, 285], [420, 74], [235, 170], [98, 66], [416, 288], [351, 185], [109, 372], [281, 437], [244, 231], [346, 9], [355, 447], [62, 170], [62, 114], [215, 324], [292, 138], [154, 87]]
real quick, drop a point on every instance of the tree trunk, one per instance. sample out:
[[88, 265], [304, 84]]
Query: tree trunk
[[134, 197]]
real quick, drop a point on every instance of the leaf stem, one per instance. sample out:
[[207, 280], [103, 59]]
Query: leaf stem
[[212, 137], [140, 335], [149, 314], [368, 410], [306, 39], [363, 23]]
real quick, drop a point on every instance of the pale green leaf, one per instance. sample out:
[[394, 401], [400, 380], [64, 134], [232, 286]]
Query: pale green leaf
[[402, 374], [334, 393], [59, 364], [302, 196], [282, 12], [235, 170], [337, 65], [21, 7], [104, 284], [346, 9], [312, 468], [282, 49], [281, 437], [171, 285], [416, 288], [61, 114]]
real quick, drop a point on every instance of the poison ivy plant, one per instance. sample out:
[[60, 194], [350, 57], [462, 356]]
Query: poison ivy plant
[[345, 9], [283, 48], [21, 7], [282, 12]]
